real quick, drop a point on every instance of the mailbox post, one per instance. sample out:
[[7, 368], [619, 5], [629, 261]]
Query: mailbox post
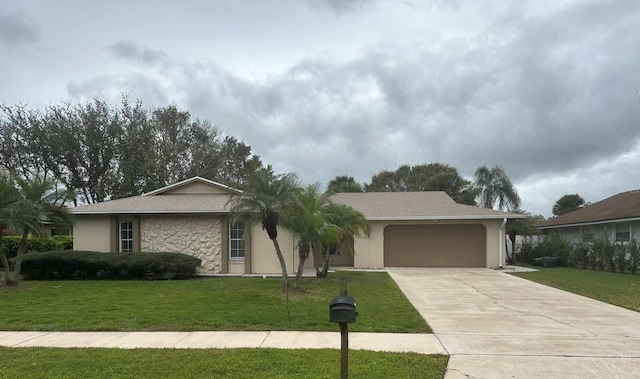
[[342, 310]]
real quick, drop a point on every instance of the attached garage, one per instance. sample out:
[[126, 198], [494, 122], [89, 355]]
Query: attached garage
[[445, 245]]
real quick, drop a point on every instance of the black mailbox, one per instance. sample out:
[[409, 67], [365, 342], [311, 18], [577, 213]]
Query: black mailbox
[[342, 309]]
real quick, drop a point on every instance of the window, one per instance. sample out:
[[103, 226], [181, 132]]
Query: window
[[236, 240], [587, 233], [60, 232], [126, 236], [623, 232]]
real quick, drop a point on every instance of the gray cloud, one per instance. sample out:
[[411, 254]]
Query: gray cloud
[[132, 52], [17, 28], [551, 96]]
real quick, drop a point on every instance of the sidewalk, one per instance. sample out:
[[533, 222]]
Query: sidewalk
[[392, 342]]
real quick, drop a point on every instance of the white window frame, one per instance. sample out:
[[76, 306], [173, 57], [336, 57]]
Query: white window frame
[[236, 240], [588, 233], [618, 234], [125, 241]]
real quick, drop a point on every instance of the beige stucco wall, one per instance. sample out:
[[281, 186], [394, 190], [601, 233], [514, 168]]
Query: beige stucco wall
[[236, 266], [199, 236], [369, 252], [263, 255], [92, 233]]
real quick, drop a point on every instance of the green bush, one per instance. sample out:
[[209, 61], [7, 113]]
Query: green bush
[[620, 257], [551, 246], [634, 256], [63, 242], [10, 244], [55, 265], [580, 255]]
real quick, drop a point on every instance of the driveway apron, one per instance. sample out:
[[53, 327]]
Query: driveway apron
[[495, 325]]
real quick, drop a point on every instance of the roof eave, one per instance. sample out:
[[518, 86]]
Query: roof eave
[[134, 212], [608, 221], [435, 218]]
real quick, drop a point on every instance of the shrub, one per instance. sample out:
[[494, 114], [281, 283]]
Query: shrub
[[580, 254], [63, 242], [525, 253], [10, 244], [54, 265], [620, 257], [634, 256]]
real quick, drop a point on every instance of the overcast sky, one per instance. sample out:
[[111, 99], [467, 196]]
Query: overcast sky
[[547, 89]]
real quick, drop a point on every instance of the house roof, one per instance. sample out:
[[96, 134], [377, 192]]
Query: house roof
[[425, 205], [625, 205], [190, 181], [189, 203]]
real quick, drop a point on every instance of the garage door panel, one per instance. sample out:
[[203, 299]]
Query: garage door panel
[[435, 245]]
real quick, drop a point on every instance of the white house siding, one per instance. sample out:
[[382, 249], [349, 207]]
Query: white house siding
[[198, 236], [572, 234]]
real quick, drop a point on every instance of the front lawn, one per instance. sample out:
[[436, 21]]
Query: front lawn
[[48, 363], [205, 304], [617, 289]]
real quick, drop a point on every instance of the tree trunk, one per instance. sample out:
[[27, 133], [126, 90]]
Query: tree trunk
[[513, 250], [303, 254], [22, 249], [7, 270], [283, 265]]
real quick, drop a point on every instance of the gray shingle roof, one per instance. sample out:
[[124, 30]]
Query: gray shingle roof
[[414, 205], [201, 203], [624, 205], [424, 205]]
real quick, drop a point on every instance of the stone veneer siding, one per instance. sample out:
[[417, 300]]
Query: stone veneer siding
[[198, 236]]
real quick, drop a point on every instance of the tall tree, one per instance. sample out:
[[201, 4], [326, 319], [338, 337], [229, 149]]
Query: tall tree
[[568, 203], [265, 201], [344, 183], [50, 201], [350, 224], [494, 185], [16, 214], [103, 152], [426, 177]]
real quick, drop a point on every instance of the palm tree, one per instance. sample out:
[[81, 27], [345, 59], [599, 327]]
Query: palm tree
[[350, 223], [520, 227], [568, 203], [266, 200], [16, 214], [308, 221], [495, 185], [50, 202], [344, 184]]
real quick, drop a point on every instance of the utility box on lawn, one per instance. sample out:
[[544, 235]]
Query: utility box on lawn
[[342, 309]]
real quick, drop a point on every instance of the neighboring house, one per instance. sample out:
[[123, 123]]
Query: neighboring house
[[192, 217], [616, 218]]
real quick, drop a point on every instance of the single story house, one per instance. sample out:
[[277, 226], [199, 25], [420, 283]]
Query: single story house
[[616, 218], [414, 229]]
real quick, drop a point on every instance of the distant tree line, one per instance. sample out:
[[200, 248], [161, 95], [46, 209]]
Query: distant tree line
[[103, 152], [490, 187]]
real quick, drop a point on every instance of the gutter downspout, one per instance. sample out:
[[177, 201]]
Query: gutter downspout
[[501, 238]]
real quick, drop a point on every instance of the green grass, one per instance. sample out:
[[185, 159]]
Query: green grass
[[51, 363], [205, 304], [618, 289]]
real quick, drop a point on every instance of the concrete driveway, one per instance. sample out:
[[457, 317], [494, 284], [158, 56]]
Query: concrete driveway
[[495, 325]]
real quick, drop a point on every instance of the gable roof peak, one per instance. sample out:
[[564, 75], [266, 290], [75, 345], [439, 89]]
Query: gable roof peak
[[189, 181]]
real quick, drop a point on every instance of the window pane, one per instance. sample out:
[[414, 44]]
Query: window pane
[[236, 241]]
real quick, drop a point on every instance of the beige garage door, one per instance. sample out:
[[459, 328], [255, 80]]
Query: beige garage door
[[435, 245]]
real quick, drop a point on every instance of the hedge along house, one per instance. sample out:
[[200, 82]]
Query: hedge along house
[[414, 229], [616, 218]]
